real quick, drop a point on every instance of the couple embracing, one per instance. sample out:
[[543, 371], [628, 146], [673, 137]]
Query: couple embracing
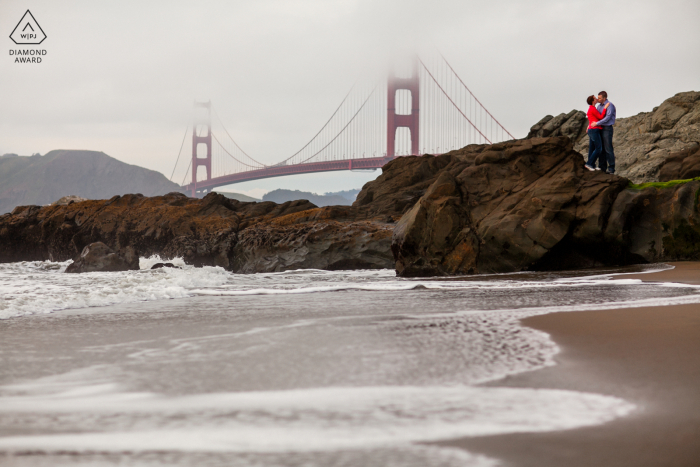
[[601, 118]]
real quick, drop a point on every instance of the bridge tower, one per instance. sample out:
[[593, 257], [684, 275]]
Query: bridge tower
[[410, 121], [197, 139]]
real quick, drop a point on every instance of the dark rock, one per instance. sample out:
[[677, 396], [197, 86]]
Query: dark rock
[[572, 125], [313, 240], [99, 257], [436, 236], [657, 223], [215, 231], [164, 265], [402, 182], [505, 207], [681, 165]]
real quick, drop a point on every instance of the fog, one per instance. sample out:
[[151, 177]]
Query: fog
[[121, 77]]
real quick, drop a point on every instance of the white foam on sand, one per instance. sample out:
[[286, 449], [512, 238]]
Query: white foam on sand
[[40, 287], [300, 420], [106, 417]]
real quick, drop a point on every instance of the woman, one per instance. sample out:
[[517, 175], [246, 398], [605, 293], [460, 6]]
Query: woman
[[595, 144]]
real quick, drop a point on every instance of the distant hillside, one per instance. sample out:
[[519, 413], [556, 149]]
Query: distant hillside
[[339, 198], [89, 174], [237, 196]]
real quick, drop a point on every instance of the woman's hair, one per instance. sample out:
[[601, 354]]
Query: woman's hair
[[590, 100]]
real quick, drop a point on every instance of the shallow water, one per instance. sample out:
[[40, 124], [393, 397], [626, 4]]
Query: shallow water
[[314, 368]]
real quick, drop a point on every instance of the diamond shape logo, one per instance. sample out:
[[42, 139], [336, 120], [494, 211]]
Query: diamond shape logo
[[28, 31]]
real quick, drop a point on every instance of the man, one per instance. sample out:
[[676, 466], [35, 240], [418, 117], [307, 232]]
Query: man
[[607, 161]]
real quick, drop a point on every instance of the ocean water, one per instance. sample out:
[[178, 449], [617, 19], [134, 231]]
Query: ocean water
[[201, 367]]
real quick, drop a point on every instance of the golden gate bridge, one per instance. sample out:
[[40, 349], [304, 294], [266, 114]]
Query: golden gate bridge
[[423, 109]]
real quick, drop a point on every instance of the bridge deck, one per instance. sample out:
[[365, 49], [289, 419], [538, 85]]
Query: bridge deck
[[282, 170]]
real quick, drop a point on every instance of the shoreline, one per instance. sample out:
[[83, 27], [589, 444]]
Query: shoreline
[[649, 356]]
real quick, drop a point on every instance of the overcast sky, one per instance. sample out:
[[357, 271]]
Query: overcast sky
[[120, 77]]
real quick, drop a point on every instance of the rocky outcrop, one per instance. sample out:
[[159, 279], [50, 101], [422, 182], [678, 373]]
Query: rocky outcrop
[[572, 125], [681, 165], [519, 205], [509, 207], [530, 205], [657, 221], [643, 143], [99, 257], [322, 238], [165, 265], [217, 231], [437, 236], [69, 199]]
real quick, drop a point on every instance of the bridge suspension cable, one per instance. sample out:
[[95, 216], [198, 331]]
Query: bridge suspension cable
[[451, 101], [430, 111], [342, 130], [187, 172], [259, 164], [323, 127], [180, 152], [451, 115], [475, 98]]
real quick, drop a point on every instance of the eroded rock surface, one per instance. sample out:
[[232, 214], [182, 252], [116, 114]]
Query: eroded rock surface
[[506, 207], [657, 223], [215, 230], [530, 205], [99, 257], [644, 142], [681, 165], [436, 236], [69, 199], [572, 125]]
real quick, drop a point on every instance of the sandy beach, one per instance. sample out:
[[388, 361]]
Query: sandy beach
[[648, 356]]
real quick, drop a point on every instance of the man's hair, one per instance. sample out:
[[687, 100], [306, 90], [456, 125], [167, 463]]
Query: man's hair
[[604, 94], [590, 100]]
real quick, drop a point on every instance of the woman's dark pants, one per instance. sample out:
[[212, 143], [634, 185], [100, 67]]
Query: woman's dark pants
[[595, 149]]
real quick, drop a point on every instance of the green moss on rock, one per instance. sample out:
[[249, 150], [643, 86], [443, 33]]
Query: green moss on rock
[[683, 243], [669, 184]]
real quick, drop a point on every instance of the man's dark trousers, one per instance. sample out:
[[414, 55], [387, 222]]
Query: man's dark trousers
[[607, 161]]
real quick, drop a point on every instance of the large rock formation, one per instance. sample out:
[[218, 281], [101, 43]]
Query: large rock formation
[[681, 165], [643, 143], [437, 236], [519, 205], [529, 205], [504, 208], [99, 257], [245, 237]]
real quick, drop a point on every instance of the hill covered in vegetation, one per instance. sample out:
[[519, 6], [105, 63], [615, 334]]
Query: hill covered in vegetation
[[39, 180], [338, 198]]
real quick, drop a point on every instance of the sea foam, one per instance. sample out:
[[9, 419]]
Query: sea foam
[[299, 420]]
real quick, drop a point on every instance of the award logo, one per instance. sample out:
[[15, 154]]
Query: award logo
[[28, 32]]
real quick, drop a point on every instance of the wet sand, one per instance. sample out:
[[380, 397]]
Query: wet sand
[[648, 356]]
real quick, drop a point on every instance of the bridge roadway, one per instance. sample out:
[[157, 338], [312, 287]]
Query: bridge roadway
[[282, 170]]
